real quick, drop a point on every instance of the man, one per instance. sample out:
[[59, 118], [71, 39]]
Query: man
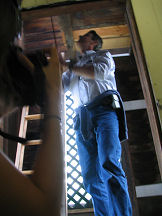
[[99, 116]]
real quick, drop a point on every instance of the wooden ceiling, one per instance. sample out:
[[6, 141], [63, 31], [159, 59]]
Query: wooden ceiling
[[62, 24]]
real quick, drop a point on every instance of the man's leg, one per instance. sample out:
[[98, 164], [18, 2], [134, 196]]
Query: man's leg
[[109, 153], [91, 171]]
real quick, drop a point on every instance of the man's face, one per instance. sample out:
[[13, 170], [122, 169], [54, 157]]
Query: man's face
[[85, 42]]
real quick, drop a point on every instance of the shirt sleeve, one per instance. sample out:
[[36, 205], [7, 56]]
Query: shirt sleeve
[[104, 65], [66, 80]]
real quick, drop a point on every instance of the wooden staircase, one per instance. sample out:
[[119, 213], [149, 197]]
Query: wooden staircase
[[25, 117]]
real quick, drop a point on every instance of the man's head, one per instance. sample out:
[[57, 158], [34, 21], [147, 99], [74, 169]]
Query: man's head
[[90, 41]]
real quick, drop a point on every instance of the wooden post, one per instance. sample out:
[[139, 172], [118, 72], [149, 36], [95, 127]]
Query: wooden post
[[127, 166]]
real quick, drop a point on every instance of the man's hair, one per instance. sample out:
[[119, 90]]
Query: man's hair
[[97, 38]]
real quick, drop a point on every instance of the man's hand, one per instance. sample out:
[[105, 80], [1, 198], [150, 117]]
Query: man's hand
[[52, 70], [62, 59]]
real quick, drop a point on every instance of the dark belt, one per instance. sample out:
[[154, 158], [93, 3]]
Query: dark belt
[[111, 100]]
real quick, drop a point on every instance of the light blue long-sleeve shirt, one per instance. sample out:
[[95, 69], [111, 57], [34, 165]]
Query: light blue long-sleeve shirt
[[83, 89]]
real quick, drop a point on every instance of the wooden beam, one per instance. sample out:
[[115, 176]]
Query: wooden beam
[[57, 10], [105, 32], [81, 211], [117, 42], [120, 52], [65, 22], [113, 36]]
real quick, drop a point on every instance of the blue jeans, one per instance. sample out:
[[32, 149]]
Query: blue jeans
[[103, 176]]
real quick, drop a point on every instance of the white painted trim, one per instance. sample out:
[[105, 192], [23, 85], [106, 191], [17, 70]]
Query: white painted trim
[[134, 105], [149, 190], [121, 55]]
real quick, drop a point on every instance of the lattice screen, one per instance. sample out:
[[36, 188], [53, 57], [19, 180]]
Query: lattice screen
[[76, 195]]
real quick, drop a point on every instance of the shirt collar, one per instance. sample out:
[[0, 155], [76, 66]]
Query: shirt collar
[[87, 52]]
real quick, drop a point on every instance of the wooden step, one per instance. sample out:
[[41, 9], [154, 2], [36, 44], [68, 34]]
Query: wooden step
[[34, 142], [34, 117], [27, 172]]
